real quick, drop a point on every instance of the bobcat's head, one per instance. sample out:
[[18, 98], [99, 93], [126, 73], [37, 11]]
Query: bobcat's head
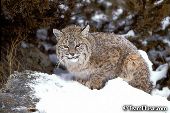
[[73, 48]]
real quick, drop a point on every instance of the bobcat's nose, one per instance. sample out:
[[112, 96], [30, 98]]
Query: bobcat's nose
[[72, 54]]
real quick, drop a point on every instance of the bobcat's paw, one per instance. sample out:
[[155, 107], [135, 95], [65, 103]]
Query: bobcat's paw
[[95, 83]]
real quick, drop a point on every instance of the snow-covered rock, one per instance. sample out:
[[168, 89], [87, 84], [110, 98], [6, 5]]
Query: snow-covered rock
[[158, 2], [167, 41], [165, 92], [129, 34], [53, 58], [159, 73], [99, 16], [24, 44], [42, 34], [165, 22], [63, 7], [117, 13]]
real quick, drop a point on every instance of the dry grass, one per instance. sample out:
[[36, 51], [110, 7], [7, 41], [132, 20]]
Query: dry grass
[[9, 60]]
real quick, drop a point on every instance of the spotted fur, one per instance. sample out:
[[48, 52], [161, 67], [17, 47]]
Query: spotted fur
[[100, 57]]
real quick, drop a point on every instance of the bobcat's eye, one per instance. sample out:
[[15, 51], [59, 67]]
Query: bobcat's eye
[[78, 45], [65, 46]]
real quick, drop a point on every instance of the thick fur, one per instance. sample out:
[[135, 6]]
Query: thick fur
[[101, 56]]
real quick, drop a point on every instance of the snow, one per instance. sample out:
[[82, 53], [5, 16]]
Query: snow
[[87, 1], [19, 108], [166, 41], [46, 46], [73, 17], [99, 16], [130, 33], [81, 22], [165, 22], [62, 16], [158, 2], [104, 3], [108, 4], [117, 13], [78, 5], [145, 56], [58, 95], [24, 44], [63, 6], [165, 92], [159, 73], [100, 1], [144, 42]]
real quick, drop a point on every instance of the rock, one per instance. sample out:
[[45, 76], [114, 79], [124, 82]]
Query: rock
[[34, 59], [53, 58], [42, 34], [16, 96]]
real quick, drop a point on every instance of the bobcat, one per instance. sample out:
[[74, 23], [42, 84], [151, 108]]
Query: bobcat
[[95, 58]]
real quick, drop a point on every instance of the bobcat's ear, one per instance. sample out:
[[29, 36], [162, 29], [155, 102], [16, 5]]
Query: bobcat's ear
[[57, 32], [85, 31]]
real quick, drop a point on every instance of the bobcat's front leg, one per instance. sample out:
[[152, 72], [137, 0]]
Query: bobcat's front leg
[[96, 82]]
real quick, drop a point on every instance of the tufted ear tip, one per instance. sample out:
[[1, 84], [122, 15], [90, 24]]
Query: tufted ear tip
[[86, 31], [57, 32]]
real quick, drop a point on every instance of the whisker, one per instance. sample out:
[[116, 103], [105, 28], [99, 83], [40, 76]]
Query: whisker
[[59, 62]]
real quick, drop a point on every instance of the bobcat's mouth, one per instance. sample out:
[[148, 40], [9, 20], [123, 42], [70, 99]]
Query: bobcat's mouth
[[73, 58]]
